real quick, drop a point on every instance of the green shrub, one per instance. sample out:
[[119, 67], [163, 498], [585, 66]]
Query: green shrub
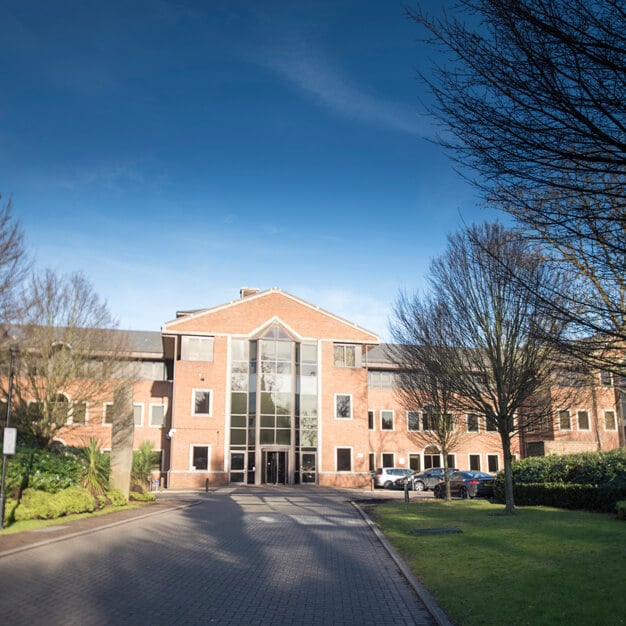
[[620, 507], [76, 500], [115, 497], [43, 470], [38, 505], [43, 505], [141, 496], [602, 499]]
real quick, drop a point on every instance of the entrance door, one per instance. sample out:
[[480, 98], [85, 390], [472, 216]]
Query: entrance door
[[275, 465]]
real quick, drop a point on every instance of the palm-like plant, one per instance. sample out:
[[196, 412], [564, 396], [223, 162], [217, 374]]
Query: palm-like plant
[[97, 464], [145, 459]]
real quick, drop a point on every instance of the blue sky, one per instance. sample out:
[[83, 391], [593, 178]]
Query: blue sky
[[177, 151]]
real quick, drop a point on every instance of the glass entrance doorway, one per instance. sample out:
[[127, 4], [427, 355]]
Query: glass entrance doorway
[[275, 467]]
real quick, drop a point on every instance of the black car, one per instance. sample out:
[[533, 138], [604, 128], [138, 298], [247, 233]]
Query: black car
[[467, 485], [422, 481]]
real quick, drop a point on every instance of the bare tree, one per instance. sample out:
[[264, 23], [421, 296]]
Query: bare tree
[[481, 334], [70, 355], [533, 102], [419, 384], [13, 262]]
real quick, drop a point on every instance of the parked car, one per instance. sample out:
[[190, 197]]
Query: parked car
[[386, 476], [422, 481], [467, 485]]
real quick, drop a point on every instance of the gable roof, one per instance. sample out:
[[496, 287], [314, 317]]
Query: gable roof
[[247, 315]]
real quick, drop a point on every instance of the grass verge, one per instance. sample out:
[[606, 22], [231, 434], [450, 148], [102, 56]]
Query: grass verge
[[541, 566]]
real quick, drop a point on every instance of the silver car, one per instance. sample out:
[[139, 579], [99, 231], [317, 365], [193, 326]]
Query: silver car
[[386, 477]]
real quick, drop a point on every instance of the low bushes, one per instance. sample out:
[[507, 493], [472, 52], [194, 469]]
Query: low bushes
[[43, 505], [594, 481]]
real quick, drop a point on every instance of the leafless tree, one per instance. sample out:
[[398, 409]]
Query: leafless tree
[[13, 263], [533, 104], [70, 355], [481, 334], [419, 386]]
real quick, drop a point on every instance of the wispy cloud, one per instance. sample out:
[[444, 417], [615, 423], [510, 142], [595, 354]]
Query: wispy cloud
[[311, 73]]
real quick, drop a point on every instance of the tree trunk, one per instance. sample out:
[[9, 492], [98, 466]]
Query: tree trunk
[[123, 430], [509, 500]]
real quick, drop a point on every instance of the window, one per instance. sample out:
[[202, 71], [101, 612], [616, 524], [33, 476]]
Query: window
[[389, 459], [372, 461], [472, 424], [79, 412], [343, 406], [200, 458], [202, 404], [565, 420], [108, 413], [196, 348], [386, 420], [451, 460], [609, 420], [490, 424], [429, 420], [606, 378], [157, 415], [370, 420], [138, 414], [474, 462], [583, 420], [493, 463], [344, 459], [432, 458], [346, 355], [380, 380], [413, 420], [415, 462]]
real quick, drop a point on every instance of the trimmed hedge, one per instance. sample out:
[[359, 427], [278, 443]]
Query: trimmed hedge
[[602, 499], [592, 481]]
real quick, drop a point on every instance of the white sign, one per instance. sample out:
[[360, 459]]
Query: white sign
[[10, 437]]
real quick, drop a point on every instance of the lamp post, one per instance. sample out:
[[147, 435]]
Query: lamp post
[[8, 443]]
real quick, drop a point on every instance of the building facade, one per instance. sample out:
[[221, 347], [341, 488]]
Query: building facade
[[269, 388]]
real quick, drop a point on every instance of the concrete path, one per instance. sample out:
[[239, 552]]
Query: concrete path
[[251, 555]]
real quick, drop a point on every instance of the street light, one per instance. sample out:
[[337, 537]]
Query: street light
[[8, 443]]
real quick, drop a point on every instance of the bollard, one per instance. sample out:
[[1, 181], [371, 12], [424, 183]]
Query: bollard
[[406, 491], [206, 485]]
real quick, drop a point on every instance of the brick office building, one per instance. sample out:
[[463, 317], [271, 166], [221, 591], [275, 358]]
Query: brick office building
[[271, 389]]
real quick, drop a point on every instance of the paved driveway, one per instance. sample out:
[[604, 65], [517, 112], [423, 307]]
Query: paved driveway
[[234, 556]]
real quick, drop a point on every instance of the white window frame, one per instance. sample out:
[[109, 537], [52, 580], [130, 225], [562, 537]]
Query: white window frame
[[569, 414], [393, 420], [578, 412], [349, 471], [371, 419], [192, 467], [188, 352], [497, 458], [418, 414], [142, 408], [193, 402], [152, 405], [604, 412], [343, 362], [71, 414], [349, 395], [477, 417], [480, 461], [104, 414]]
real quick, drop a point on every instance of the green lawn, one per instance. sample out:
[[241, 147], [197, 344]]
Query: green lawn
[[541, 566]]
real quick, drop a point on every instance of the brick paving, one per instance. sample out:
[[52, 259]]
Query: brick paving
[[245, 555]]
